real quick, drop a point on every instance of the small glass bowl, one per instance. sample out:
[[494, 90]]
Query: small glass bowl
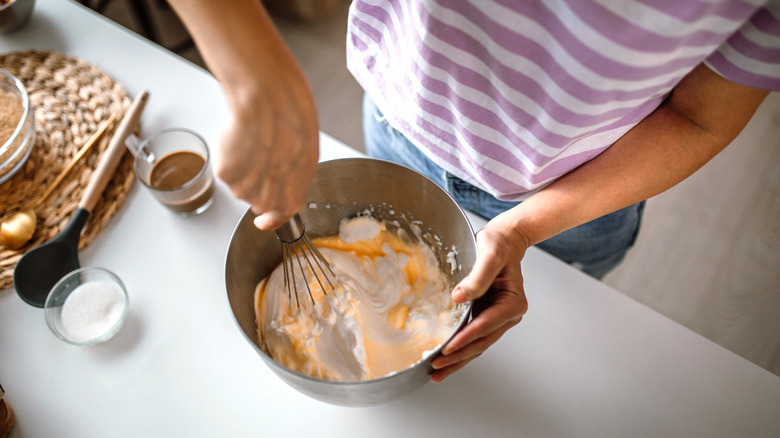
[[16, 136], [88, 306]]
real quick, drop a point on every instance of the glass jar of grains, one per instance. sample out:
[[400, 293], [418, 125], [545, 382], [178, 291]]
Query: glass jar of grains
[[17, 131]]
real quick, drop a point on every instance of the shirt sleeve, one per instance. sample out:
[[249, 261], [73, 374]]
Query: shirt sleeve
[[751, 56]]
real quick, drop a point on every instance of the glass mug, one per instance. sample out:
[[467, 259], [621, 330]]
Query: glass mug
[[174, 164]]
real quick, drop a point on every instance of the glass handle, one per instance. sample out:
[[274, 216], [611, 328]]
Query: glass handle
[[138, 146]]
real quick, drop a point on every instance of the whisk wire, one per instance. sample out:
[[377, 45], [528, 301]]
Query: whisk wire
[[299, 254], [296, 245], [289, 277], [321, 261]]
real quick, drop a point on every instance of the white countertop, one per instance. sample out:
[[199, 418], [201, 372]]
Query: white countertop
[[585, 361]]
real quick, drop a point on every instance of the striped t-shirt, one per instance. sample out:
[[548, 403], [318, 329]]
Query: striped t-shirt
[[511, 94]]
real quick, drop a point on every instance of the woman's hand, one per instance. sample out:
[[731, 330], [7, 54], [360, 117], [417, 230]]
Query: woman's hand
[[268, 154], [496, 284], [269, 149]]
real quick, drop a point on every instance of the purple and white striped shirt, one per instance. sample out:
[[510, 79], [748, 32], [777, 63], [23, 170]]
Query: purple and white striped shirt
[[511, 94]]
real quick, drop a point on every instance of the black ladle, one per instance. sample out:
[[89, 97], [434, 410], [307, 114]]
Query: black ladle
[[40, 268]]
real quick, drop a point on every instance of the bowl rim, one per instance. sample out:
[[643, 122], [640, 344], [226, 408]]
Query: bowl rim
[[49, 308]]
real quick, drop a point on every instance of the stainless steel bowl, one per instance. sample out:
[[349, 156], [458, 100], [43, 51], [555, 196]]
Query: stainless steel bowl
[[15, 14], [342, 189]]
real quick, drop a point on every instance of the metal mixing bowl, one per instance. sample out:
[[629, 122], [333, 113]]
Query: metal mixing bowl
[[342, 189]]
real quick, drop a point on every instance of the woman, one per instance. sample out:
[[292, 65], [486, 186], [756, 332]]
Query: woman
[[554, 120]]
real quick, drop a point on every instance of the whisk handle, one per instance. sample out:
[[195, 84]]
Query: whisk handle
[[292, 230]]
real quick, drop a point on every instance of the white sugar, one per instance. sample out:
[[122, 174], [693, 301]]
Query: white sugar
[[91, 310]]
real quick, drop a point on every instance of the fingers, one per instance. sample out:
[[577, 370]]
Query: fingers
[[498, 271], [274, 196], [495, 253], [271, 220], [486, 269], [445, 365], [473, 348], [478, 335], [479, 279], [508, 309], [443, 373], [274, 211], [268, 158]]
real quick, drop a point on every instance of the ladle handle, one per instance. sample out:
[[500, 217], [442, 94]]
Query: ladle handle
[[113, 154]]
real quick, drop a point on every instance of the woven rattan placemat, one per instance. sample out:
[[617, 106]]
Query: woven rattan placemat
[[71, 98]]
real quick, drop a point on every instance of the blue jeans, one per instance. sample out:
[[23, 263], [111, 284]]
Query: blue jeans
[[595, 247]]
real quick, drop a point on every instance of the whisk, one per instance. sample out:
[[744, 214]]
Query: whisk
[[299, 252]]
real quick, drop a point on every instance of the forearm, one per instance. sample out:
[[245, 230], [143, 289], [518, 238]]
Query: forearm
[[700, 118], [268, 150], [245, 52]]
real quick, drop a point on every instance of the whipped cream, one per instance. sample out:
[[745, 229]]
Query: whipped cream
[[390, 308]]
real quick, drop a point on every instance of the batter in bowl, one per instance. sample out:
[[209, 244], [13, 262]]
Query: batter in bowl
[[391, 308]]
